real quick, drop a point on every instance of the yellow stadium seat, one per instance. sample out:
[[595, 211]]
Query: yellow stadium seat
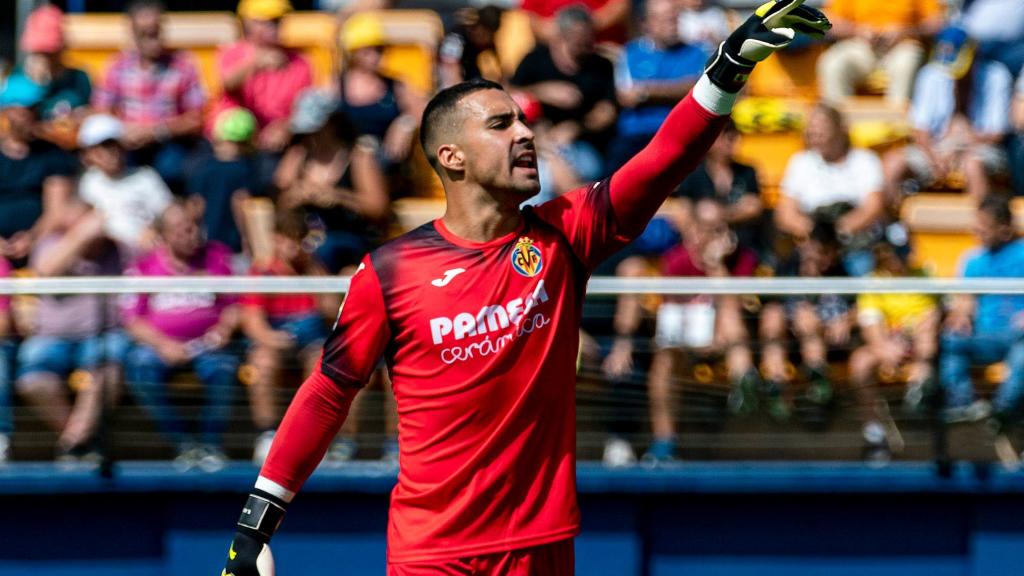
[[412, 40], [789, 73], [514, 39], [316, 35], [94, 39], [769, 153]]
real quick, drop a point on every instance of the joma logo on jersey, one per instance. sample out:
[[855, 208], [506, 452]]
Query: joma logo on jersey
[[526, 258], [490, 318]]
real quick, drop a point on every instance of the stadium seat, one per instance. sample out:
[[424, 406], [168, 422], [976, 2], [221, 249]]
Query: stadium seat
[[316, 35], [514, 39], [413, 37], [93, 39], [790, 73]]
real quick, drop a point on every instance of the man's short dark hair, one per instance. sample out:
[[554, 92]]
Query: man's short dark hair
[[440, 112], [137, 6], [998, 207]]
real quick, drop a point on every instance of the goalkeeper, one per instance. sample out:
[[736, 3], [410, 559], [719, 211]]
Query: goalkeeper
[[477, 315]]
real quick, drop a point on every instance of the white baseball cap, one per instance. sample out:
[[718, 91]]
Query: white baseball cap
[[99, 128]]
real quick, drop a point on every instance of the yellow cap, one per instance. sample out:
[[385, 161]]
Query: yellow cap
[[263, 9], [362, 30]]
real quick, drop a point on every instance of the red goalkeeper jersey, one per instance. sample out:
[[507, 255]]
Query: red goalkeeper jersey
[[481, 342]]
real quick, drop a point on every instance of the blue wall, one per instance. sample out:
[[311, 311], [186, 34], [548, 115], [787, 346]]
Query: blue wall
[[692, 519]]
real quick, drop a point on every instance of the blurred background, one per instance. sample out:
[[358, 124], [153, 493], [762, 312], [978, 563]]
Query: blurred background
[[839, 429]]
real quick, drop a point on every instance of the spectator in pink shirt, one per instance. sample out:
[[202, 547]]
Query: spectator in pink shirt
[[261, 75], [156, 92], [184, 331]]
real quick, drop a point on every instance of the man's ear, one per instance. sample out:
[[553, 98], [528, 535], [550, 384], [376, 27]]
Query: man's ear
[[451, 157]]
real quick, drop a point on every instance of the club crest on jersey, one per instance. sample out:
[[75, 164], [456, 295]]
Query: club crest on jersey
[[526, 258]]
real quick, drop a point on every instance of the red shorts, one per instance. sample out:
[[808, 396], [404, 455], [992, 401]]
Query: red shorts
[[554, 559]]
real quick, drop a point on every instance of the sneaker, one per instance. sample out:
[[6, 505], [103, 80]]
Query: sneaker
[[187, 457], [261, 448], [342, 450], [210, 458], [5, 448], [819, 388], [973, 412], [84, 453], [919, 395], [742, 399], [618, 453], [661, 450], [876, 450], [389, 452]]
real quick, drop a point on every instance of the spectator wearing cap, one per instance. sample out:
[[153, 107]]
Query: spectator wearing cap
[[463, 48], [73, 341], [33, 173], [183, 331], [334, 176], [875, 36], [960, 115], [223, 181], [576, 89], [62, 93], [128, 200], [378, 106], [261, 75], [653, 73], [156, 92]]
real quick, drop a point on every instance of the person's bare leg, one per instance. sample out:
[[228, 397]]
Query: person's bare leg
[[894, 170], [659, 389], [48, 396], [266, 363], [976, 178], [863, 367], [85, 413]]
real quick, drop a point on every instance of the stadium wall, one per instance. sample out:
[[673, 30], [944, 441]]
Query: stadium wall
[[695, 520]]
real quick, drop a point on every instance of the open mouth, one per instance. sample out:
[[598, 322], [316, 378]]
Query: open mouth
[[526, 160]]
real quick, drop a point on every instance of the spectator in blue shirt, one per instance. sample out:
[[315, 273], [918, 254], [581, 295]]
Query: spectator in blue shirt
[[653, 73], [987, 328]]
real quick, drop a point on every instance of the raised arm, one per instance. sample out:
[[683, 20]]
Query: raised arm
[[642, 184]]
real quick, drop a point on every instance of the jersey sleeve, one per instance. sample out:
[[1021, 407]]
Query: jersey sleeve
[[360, 333], [322, 402], [600, 219]]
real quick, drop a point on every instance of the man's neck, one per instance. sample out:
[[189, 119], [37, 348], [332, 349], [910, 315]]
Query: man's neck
[[478, 216]]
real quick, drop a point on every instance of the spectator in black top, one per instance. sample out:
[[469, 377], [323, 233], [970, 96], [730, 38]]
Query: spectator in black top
[[223, 181], [576, 89], [472, 37], [33, 174], [733, 184]]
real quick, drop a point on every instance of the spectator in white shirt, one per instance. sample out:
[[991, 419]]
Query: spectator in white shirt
[[832, 178]]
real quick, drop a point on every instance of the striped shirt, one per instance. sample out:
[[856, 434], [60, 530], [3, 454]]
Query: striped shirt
[[150, 95]]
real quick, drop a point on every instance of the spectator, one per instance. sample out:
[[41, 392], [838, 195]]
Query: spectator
[[960, 116], [831, 180], [379, 106], [73, 335], [611, 18], [128, 200], [183, 331], [261, 75], [33, 174], [335, 178], [281, 326], [62, 93], [223, 182], [654, 72], [998, 27], [704, 24], [576, 89], [1017, 140], [156, 92], [6, 365], [471, 40], [704, 325], [988, 328], [819, 323], [876, 36], [898, 330], [733, 184]]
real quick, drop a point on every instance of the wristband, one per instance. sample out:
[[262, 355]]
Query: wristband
[[261, 515]]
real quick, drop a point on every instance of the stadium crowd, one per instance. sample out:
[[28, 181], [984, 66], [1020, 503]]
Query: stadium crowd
[[148, 171]]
